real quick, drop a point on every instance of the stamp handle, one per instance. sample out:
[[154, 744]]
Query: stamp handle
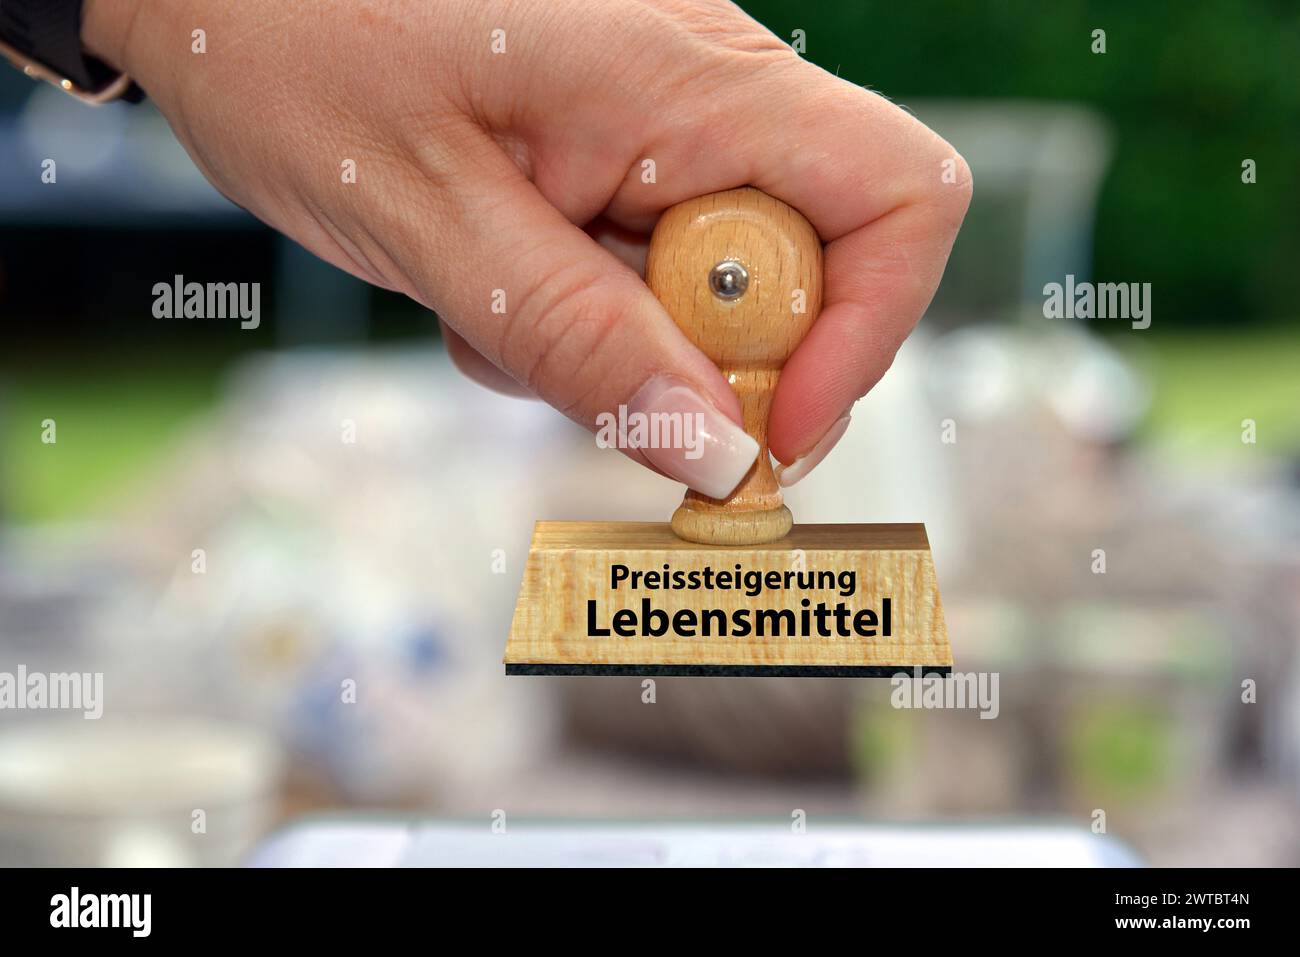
[[741, 274]]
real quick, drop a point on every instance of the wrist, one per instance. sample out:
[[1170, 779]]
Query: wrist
[[106, 28]]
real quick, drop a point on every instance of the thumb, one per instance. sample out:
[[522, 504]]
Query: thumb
[[542, 301]]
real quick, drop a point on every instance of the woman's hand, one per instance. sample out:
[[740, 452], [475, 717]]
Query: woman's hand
[[501, 153]]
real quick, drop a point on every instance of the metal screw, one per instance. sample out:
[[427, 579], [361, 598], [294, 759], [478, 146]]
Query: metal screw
[[728, 280]]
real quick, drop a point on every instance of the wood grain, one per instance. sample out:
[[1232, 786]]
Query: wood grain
[[569, 565], [656, 536], [749, 338]]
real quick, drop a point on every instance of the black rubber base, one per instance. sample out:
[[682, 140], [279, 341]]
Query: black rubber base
[[726, 671]]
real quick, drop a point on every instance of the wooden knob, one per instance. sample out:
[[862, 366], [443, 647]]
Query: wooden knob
[[741, 274]]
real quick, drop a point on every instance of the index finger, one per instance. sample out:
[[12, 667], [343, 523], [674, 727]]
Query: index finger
[[888, 195]]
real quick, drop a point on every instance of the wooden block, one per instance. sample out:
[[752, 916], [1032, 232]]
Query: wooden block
[[570, 591]]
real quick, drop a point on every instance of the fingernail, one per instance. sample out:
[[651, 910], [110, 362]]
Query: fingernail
[[688, 437], [787, 475]]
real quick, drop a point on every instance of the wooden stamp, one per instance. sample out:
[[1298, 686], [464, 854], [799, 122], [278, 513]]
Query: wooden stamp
[[732, 587]]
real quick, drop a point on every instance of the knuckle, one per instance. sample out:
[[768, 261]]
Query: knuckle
[[943, 183], [964, 187], [561, 326], [957, 184], [720, 27]]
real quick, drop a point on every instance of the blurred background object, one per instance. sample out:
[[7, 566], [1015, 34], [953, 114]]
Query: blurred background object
[[293, 552], [114, 794]]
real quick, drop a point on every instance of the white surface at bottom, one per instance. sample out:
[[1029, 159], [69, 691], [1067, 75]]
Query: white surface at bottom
[[538, 844]]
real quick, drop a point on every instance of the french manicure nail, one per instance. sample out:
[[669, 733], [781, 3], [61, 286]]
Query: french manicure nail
[[705, 449], [787, 475]]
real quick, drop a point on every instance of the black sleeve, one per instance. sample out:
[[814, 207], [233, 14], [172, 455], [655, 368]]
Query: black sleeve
[[49, 31]]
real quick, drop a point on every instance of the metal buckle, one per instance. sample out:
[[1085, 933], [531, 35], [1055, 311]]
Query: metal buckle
[[39, 71]]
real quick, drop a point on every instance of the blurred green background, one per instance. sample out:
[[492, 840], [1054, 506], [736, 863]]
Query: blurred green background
[[1192, 89]]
